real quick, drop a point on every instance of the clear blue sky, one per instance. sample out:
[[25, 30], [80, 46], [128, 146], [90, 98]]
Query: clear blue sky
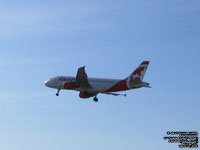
[[42, 39]]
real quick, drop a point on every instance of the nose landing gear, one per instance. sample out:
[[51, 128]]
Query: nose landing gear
[[95, 98], [57, 94]]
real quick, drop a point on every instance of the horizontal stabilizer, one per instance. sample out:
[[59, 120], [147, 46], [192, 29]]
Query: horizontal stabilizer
[[116, 94]]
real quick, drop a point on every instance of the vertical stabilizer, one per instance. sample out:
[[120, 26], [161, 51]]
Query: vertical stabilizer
[[136, 77]]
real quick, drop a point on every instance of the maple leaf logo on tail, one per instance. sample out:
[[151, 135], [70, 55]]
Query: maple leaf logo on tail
[[135, 78]]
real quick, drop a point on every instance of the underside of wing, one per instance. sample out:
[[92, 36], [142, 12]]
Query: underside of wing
[[82, 79]]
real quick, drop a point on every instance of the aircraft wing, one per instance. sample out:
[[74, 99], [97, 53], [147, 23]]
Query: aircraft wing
[[82, 79]]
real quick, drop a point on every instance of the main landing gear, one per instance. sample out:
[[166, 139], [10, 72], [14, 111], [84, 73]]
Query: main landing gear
[[95, 98], [57, 94]]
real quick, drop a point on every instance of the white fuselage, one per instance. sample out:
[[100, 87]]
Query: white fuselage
[[99, 85]]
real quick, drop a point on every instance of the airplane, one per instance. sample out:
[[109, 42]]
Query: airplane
[[91, 87]]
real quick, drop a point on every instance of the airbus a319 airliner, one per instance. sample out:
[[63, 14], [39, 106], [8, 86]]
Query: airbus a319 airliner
[[90, 87]]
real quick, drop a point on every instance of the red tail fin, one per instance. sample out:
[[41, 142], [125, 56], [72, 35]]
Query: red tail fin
[[141, 69], [137, 75]]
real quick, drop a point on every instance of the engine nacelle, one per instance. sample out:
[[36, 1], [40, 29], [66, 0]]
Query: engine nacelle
[[85, 95]]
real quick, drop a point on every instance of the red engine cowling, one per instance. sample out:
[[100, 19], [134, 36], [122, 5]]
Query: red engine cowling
[[85, 95], [69, 85]]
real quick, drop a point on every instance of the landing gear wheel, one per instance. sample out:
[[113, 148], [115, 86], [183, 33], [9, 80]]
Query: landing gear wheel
[[57, 94], [95, 99]]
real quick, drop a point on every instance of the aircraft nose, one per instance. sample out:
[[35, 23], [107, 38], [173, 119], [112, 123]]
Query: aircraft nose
[[46, 83]]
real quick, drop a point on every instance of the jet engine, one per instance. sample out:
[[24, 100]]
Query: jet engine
[[85, 95]]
